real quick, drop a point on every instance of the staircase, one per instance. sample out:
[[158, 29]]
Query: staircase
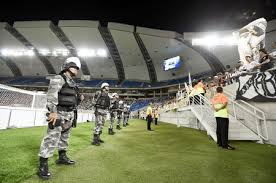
[[202, 109]]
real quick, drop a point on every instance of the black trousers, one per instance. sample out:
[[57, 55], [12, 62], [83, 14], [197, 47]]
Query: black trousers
[[155, 120], [222, 131], [149, 120]]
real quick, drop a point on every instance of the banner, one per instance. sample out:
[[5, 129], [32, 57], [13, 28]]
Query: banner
[[250, 39], [259, 87]]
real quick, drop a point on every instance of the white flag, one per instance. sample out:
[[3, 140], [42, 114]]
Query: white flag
[[190, 79]]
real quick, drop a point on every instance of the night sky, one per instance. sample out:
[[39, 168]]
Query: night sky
[[180, 16]]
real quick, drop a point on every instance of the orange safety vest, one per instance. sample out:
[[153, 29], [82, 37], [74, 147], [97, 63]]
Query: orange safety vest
[[218, 101]]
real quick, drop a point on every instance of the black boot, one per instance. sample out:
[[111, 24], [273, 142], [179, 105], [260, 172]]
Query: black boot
[[43, 171], [110, 131], [118, 127], [100, 140], [127, 124], [96, 140], [63, 159]]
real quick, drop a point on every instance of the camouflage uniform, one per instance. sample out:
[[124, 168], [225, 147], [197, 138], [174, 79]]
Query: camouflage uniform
[[62, 99], [125, 114], [113, 112], [100, 115], [57, 137], [119, 115], [101, 101], [112, 118]]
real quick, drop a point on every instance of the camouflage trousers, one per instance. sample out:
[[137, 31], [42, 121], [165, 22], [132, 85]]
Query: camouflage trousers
[[125, 119], [119, 118], [112, 119], [100, 116], [57, 137]]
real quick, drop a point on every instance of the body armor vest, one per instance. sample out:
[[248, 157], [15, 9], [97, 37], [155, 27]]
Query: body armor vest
[[103, 100], [115, 104], [120, 107], [68, 95]]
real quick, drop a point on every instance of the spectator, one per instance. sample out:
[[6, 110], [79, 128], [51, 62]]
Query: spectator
[[220, 102], [265, 61]]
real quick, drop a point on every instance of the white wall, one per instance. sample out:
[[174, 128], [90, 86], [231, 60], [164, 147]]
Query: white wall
[[183, 117], [15, 117]]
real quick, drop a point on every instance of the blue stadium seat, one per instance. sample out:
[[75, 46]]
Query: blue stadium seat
[[132, 84], [91, 83]]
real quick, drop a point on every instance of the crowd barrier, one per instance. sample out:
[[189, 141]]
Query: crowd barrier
[[20, 117]]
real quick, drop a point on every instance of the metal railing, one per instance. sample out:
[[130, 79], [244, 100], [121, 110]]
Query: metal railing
[[202, 108], [249, 115], [243, 112]]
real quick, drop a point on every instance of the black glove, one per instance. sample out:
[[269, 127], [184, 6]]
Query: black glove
[[74, 124], [57, 123]]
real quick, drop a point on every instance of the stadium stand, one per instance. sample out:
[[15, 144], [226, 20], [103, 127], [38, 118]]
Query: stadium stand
[[91, 83], [132, 84]]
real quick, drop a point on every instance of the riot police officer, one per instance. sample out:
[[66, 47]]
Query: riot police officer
[[119, 114], [62, 99], [113, 112], [101, 102], [125, 115], [128, 114]]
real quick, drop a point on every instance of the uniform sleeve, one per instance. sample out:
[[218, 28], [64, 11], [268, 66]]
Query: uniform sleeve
[[52, 95], [94, 100]]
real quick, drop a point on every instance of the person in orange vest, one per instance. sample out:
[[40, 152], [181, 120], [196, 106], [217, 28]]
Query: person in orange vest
[[149, 117], [220, 102]]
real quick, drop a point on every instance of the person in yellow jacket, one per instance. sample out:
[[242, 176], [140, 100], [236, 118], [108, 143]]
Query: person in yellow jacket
[[156, 115], [220, 102], [149, 117], [200, 87], [199, 90], [191, 93]]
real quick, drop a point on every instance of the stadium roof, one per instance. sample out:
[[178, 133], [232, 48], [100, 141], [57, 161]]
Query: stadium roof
[[180, 16], [135, 39]]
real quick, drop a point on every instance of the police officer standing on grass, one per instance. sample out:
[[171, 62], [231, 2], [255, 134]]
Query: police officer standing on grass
[[156, 115], [62, 99], [220, 102], [113, 112], [128, 114], [125, 114], [149, 116], [119, 114], [101, 102]]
